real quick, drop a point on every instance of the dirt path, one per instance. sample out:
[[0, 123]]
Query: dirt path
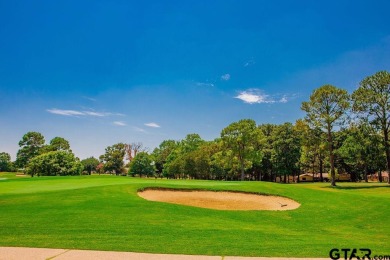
[[24, 253], [220, 200]]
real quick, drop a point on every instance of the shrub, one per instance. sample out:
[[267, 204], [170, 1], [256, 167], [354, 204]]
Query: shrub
[[54, 163]]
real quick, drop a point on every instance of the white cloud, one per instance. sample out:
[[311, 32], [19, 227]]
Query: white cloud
[[225, 77], [256, 96], [119, 123], [65, 112], [152, 125], [91, 113], [283, 99]]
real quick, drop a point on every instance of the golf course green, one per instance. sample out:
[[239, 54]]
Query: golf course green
[[105, 213]]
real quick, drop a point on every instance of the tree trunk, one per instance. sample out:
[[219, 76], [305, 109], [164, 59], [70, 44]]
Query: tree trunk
[[380, 176], [242, 171], [313, 168], [365, 173], [331, 157], [321, 166], [387, 149]]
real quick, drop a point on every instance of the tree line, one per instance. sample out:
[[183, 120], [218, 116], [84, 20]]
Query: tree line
[[37, 158], [341, 133]]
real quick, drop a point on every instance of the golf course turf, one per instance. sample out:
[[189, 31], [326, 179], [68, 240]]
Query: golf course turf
[[105, 213]]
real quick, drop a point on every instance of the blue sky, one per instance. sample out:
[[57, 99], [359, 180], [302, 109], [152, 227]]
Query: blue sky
[[102, 72]]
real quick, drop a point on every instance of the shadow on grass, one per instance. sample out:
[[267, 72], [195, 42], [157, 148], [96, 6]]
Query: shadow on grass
[[358, 187]]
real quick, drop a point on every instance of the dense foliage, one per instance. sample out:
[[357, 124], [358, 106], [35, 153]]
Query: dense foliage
[[113, 159], [39, 159], [6, 164], [142, 165], [54, 163], [30, 146], [372, 102], [90, 164], [325, 110], [329, 140]]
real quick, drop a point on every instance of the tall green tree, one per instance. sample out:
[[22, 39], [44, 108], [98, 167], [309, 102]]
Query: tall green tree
[[173, 164], [178, 162], [113, 158], [59, 144], [242, 138], [161, 153], [222, 163], [313, 148], [56, 144], [266, 165], [362, 150], [30, 146], [326, 109], [190, 143], [142, 164], [90, 164], [5, 162], [287, 150], [203, 161], [372, 101]]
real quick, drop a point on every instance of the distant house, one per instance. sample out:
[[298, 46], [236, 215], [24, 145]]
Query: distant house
[[310, 177], [306, 177], [375, 177]]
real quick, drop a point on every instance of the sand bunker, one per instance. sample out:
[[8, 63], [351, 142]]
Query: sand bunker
[[220, 200]]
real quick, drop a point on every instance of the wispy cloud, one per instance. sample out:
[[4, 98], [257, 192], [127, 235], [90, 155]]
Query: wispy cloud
[[63, 112], [119, 123], [249, 62], [90, 99], [204, 84], [99, 114], [66, 112], [152, 125], [283, 99], [256, 96], [137, 129], [225, 77]]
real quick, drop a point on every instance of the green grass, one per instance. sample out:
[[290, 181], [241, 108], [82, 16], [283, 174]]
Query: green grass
[[105, 213], [12, 175]]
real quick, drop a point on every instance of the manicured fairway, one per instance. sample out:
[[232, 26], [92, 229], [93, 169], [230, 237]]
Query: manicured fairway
[[105, 213]]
